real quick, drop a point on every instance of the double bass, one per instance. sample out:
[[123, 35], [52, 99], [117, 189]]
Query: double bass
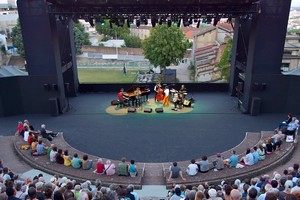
[[160, 94]]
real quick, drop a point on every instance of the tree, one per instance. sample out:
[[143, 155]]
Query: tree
[[133, 41], [80, 37], [165, 46], [114, 31], [17, 39]]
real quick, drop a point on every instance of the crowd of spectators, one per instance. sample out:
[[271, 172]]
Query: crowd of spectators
[[11, 188], [285, 186]]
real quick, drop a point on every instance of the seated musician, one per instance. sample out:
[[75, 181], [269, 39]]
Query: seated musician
[[178, 100], [137, 94], [121, 98], [183, 91]]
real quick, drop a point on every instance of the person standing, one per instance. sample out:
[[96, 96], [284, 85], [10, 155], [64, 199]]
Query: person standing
[[137, 94], [156, 87], [166, 97]]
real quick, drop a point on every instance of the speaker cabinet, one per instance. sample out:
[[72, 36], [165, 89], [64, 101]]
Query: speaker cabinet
[[159, 110], [148, 110], [54, 110], [131, 110]]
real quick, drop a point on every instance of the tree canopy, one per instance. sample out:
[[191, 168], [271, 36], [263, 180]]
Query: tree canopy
[[114, 31], [81, 38], [17, 39], [165, 46]]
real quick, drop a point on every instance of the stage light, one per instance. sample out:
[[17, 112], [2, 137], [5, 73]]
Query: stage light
[[129, 21], [186, 22], [138, 23], [216, 20], [144, 19], [100, 20], [198, 23], [154, 21], [121, 21], [162, 20], [91, 21], [169, 23]]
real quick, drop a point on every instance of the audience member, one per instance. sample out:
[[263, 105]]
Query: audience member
[[175, 171], [53, 154], [219, 163], [67, 158], [109, 168], [192, 168], [123, 168], [76, 162], [248, 159], [203, 165], [59, 157], [86, 163], [261, 152], [255, 155], [99, 167], [132, 169]]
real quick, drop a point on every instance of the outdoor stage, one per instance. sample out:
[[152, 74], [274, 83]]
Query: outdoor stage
[[214, 124]]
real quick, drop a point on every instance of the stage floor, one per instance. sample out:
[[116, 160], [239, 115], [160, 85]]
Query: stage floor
[[214, 124]]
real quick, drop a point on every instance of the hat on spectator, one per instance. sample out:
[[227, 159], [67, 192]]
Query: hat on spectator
[[53, 179], [77, 188], [212, 193], [39, 185], [177, 186], [288, 184]]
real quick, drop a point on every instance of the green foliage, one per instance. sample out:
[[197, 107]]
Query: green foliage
[[3, 50], [165, 46], [133, 41], [297, 31], [81, 37], [106, 38], [17, 39], [115, 31], [225, 61]]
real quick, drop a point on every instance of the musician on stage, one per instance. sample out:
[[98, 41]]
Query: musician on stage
[[121, 97], [137, 94], [177, 100], [166, 97], [183, 91], [156, 90]]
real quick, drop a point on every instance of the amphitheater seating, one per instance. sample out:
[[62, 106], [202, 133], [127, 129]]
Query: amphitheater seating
[[215, 177], [251, 139], [43, 163]]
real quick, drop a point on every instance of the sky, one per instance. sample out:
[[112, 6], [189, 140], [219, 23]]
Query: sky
[[295, 3]]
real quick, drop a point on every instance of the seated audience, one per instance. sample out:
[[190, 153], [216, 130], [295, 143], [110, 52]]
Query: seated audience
[[99, 167], [59, 157], [53, 154], [123, 168], [34, 144], [67, 158], [269, 147], [203, 165], [46, 133], [284, 124], [218, 163], [192, 169], [292, 127], [175, 171], [132, 169], [30, 138], [86, 163], [248, 159], [277, 144], [109, 168], [26, 134], [232, 161], [40, 148], [261, 152], [76, 162], [19, 128], [255, 155]]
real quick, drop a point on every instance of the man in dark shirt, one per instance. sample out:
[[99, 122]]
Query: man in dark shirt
[[175, 171], [46, 133]]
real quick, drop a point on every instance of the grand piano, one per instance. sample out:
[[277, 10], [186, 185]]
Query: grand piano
[[130, 96]]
